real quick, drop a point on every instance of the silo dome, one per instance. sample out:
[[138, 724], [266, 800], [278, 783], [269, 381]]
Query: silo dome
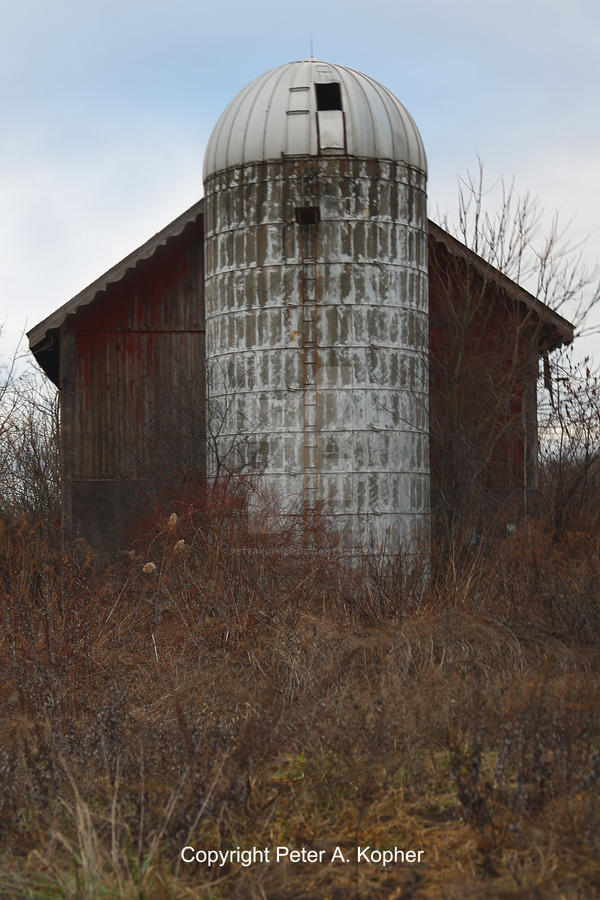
[[308, 108]]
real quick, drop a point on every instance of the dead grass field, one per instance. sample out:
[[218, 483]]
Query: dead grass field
[[232, 697]]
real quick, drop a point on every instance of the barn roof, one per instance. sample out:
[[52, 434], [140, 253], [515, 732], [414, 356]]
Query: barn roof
[[43, 338], [554, 329], [43, 341]]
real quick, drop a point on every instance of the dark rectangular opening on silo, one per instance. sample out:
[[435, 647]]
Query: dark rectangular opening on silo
[[308, 215], [329, 96]]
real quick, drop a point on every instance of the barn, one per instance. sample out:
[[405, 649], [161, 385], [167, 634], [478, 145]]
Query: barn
[[304, 321]]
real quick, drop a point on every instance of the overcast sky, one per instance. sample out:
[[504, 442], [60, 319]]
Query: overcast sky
[[106, 107]]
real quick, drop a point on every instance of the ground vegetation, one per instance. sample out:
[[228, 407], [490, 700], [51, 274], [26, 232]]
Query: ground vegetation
[[221, 688]]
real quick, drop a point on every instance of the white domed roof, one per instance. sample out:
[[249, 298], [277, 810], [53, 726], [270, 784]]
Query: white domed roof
[[296, 109]]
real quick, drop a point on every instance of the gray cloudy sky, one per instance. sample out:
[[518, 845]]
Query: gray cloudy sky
[[107, 105]]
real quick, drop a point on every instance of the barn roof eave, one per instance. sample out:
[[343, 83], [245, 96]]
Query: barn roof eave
[[42, 336], [555, 330]]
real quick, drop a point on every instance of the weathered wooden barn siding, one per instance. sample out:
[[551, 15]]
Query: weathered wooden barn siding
[[133, 392], [483, 405]]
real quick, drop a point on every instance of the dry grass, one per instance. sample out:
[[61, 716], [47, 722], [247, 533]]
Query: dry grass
[[239, 697]]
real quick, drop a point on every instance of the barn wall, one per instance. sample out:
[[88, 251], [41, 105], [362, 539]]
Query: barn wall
[[483, 411], [132, 392]]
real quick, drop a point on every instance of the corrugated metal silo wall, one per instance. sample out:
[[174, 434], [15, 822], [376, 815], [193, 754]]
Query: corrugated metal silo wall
[[317, 338], [132, 392]]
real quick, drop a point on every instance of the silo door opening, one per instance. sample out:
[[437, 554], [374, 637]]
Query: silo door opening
[[330, 116], [329, 96]]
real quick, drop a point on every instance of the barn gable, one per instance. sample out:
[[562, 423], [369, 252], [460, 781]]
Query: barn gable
[[128, 355]]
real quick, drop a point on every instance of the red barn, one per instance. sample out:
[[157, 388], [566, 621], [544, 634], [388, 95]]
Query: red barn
[[128, 357]]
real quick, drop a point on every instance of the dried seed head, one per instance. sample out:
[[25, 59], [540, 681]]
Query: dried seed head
[[180, 546], [172, 523], [149, 568]]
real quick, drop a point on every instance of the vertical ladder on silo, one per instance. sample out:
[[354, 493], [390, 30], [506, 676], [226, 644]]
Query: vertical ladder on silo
[[310, 370]]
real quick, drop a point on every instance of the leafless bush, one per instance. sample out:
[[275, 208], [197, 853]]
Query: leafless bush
[[570, 447], [29, 444]]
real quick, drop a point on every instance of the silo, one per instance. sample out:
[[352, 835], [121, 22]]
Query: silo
[[317, 299]]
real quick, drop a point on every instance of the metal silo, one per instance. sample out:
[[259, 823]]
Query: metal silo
[[317, 298]]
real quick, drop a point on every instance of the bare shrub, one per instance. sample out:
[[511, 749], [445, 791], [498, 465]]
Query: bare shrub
[[570, 457], [29, 446]]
